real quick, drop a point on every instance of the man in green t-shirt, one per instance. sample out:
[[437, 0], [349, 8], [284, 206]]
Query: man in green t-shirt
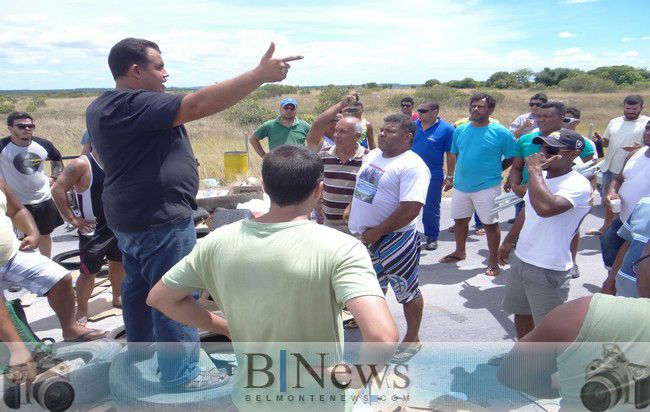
[[280, 277], [284, 129]]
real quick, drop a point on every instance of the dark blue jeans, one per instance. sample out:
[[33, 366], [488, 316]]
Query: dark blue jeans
[[431, 209], [611, 242], [146, 257]]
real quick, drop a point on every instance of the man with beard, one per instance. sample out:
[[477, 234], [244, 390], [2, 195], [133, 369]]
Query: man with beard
[[284, 129]]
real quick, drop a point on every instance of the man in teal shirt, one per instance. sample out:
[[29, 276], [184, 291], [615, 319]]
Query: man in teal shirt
[[483, 149], [284, 129]]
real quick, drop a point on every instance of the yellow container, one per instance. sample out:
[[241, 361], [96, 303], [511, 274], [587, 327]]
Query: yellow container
[[235, 164]]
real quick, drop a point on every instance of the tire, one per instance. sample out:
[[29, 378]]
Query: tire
[[69, 260], [90, 381], [135, 386]]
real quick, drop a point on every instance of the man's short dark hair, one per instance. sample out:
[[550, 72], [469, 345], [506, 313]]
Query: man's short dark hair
[[407, 100], [290, 174], [127, 52], [404, 121], [559, 107], [432, 104], [18, 116], [633, 100], [491, 101], [540, 96], [574, 111]]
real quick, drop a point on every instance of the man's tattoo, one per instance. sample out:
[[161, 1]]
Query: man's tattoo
[[57, 168]]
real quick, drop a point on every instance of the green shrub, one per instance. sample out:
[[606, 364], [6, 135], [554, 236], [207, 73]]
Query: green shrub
[[431, 82], [6, 106], [587, 83], [308, 117], [304, 91], [329, 95], [466, 83], [445, 95], [250, 112], [273, 90]]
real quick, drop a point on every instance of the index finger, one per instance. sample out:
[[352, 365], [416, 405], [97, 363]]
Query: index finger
[[291, 58]]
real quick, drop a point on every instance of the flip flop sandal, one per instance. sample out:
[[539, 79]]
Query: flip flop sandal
[[493, 271], [594, 232], [85, 337], [403, 355], [350, 324], [450, 259]]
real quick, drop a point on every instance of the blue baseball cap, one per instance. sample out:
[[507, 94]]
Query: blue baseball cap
[[287, 101]]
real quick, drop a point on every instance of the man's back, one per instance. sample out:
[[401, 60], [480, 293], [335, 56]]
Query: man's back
[[290, 280], [151, 173]]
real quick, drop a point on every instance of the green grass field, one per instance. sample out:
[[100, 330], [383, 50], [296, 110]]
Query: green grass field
[[62, 120]]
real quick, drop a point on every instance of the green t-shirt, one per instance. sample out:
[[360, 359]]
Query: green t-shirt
[[281, 282], [525, 148], [280, 134]]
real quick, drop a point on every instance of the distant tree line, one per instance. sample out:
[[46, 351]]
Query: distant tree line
[[601, 79]]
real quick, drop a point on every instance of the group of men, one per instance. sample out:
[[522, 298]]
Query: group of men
[[137, 187]]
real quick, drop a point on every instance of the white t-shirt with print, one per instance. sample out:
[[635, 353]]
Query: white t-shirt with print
[[382, 183], [546, 241]]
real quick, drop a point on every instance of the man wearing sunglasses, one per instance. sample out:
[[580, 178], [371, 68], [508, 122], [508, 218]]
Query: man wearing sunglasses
[[432, 141], [550, 117], [406, 106], [555, 204], [527, 122], [284, 129], [22, 160]]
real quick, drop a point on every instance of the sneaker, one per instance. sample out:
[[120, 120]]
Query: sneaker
[[431, 244], [206, 379], [575, 272]]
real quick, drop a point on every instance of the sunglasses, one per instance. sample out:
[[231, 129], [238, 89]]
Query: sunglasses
[[422, 111], [569, 120], [635, 265], [406, 105], [531, 104], [23, 126], [289, 107]]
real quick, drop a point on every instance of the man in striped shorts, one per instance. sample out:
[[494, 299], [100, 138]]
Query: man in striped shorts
[[391, 188]]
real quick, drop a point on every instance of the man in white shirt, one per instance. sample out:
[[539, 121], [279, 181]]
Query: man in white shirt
[[623, 135], [628, 188], [391, 189], [556, 203], [527, 122]]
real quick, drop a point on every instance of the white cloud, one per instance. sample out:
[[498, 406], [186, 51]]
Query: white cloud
[[628, 39], [573, 55], [645, 38], [565, 35]]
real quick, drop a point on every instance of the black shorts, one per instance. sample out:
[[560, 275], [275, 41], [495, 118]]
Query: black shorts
[[93, 249], [46, 215]]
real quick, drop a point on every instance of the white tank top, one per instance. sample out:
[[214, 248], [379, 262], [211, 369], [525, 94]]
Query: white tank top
[[8, 242]]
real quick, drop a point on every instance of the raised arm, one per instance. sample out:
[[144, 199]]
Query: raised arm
[[545, 203], [215, 98], [370, 136], [318, 128]]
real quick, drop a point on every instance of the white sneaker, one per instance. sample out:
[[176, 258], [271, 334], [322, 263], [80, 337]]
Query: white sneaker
[[206, 379]]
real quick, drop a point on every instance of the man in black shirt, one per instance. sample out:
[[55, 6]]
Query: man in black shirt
[[151, 183]]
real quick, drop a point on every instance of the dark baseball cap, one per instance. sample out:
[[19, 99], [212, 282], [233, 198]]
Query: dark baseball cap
[[563, 139]]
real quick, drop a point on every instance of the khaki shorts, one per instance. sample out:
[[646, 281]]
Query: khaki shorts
[[463, 204], [531, 290]]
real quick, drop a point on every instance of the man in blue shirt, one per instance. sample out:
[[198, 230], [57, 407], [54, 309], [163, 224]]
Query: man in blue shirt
[[483, 151], [433, 137]]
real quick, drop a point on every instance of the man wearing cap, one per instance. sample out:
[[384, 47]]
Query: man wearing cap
[[555, 204], [284, 129]]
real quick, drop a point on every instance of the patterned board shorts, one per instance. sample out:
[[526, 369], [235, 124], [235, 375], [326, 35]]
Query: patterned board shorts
[[396, 259]]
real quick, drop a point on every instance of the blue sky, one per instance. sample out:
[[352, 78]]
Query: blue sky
[[64, 44]]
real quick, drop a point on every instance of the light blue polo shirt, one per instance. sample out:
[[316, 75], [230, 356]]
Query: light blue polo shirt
[[637, 231], [480, 151]]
